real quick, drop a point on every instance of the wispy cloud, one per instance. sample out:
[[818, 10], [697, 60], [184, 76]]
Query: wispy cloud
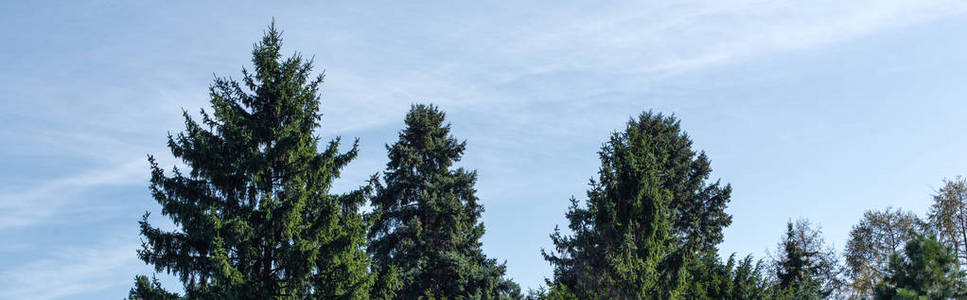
[[37, 203], [70, 271], [638, 43], [673, 36]]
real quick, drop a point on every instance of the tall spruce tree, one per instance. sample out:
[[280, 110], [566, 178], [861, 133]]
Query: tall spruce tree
[[650, 213], [254, 216], [425, 239]]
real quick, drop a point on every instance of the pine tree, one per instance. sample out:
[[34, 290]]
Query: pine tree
[[650, 214], [927, 269], [254, 216], [425, 239]]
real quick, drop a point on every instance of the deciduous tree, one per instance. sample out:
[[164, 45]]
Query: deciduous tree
[[880, 234], [948, 216]]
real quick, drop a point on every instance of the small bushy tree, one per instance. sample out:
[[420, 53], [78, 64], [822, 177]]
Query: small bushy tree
[[926, 269]]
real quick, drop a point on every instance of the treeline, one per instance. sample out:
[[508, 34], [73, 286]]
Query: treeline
[[254, 217]]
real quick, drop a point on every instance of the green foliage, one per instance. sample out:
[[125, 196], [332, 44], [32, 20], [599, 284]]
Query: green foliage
[[145, 289], [555, 292], [927, 270], [805, 267], [734, 279], [747, 280], [254, 216], [649, 214], [425, 237], [872, 242]]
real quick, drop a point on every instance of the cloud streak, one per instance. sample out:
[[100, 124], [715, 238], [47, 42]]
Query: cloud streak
[[70, 271], [40, 202], [675, 37]]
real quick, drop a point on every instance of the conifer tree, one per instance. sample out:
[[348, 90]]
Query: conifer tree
[[710, 278], [254, 216], [806, 268], [425, 239], [927, 269], [650, 214], [145, 289]]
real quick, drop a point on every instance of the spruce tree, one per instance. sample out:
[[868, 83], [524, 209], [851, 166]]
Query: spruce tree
[[650, 214], [425, 239], [254, 217]]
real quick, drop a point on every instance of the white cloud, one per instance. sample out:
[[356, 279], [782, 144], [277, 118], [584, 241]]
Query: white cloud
[[37, 203], [478, 69], [71, 271], [673, 36]]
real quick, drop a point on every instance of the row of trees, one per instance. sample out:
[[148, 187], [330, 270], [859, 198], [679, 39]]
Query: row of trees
[[894, 253], [652, 221], [254, 218]]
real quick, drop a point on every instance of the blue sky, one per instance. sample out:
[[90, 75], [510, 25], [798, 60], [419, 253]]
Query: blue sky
[[814, 109]]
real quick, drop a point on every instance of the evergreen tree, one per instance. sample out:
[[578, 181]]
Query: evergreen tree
[[926, 270], [650, 213], [145, 289], [254, 216], [425, 239], [805, 267], [555, 292], [733, 279], [747, 280]]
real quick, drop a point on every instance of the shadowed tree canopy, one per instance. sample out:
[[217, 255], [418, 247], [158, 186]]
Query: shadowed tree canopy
[[254, 217], [425, 239], [650, 212]]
